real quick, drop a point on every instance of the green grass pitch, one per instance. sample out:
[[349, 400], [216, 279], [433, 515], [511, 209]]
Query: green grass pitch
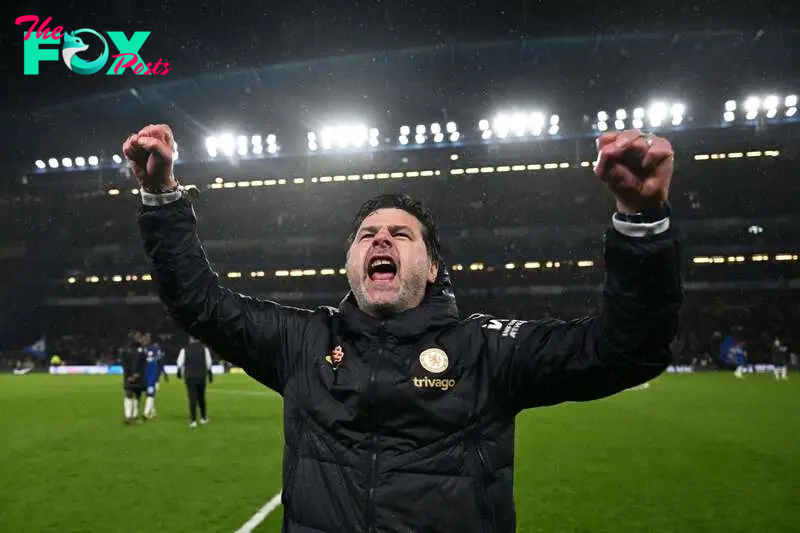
[[692, 453]]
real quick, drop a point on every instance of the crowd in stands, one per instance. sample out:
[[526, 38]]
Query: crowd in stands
[[96, 335]]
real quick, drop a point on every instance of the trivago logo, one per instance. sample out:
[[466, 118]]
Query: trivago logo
[[128, 56]]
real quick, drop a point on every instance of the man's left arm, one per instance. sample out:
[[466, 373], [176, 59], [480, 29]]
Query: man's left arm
[[551, 361]]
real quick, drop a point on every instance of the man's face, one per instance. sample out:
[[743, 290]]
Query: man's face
[[388, 266]]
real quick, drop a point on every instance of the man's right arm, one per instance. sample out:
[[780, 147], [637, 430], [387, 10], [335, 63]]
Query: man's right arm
[[258, 335]]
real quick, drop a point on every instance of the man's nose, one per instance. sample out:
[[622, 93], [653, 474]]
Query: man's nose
[[382, 238]]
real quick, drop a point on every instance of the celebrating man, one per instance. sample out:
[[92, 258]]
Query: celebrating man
[[399, 416]]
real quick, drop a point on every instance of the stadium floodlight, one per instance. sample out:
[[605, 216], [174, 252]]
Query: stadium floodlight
[[336, 137], [677, 111], [770, 104], [52, 162], [751, 106], [256, 146], [403, 139], [436, 130], [621, 114], [93, 161], [536, 122], [638, 117], [519, 125], [656, 114], [501, 125], [228, 144], [80, 161], [405, 131], [116, 157], [555, 122], [40, 164], [619, 124], [272, 144], [452, 130], [420, 136], [423, 133], [602, 121], [66, 162], [212, 146], [241, 145]]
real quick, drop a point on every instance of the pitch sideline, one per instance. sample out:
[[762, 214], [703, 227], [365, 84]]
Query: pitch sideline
[[261, 515]]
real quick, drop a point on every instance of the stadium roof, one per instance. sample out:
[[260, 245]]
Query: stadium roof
[[573, 76]]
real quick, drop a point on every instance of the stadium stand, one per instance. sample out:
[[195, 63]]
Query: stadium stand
[[521, 221]]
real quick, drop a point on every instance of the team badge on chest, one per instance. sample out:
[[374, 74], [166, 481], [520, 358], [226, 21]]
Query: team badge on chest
[[434, 360]]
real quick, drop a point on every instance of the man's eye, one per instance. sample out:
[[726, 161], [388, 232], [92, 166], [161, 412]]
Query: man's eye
[[403, 235], [366, 236]]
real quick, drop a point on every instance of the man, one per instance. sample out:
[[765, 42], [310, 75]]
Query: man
[[780, 358], [133, 366], [398, 416], [154, 369], [194, 365]]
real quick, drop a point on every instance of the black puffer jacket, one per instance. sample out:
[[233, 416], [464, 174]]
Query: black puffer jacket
[[407, 425]]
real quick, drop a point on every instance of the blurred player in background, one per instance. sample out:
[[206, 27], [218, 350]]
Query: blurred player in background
[[194, 365], [134, 360], [159, 353], [154, 369], [780, 358], [738, 355]]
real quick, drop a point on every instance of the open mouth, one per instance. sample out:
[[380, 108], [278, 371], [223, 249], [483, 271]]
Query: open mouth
[[382, 269]]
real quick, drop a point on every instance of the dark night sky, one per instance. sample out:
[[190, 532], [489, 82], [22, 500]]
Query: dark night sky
[[201, 37]]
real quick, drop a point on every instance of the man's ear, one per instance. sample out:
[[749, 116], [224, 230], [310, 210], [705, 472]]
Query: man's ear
[[433, 271]]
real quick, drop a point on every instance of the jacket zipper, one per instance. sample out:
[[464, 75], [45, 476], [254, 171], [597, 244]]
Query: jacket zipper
[[373, 471], [488, 521]]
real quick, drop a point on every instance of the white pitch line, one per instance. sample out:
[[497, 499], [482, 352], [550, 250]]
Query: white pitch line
[[261, 515]]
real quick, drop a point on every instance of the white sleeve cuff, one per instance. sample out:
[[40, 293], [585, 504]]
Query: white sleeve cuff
[[633, 229], [151, 199]]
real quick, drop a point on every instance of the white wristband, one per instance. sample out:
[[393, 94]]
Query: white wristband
[[640, 229], [156, 199]]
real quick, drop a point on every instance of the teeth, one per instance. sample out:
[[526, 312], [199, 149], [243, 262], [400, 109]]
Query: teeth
[[377, 262]]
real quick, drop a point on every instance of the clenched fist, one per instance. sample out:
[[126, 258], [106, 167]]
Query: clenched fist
[[636, 186], [150, 157]]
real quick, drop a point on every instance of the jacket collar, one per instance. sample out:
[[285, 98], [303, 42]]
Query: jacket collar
[[438, 309]]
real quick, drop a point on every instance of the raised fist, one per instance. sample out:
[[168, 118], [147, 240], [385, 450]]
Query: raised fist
[[637, 168], [150, 157]]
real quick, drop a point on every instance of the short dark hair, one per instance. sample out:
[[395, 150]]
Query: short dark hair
[[430, 234]]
